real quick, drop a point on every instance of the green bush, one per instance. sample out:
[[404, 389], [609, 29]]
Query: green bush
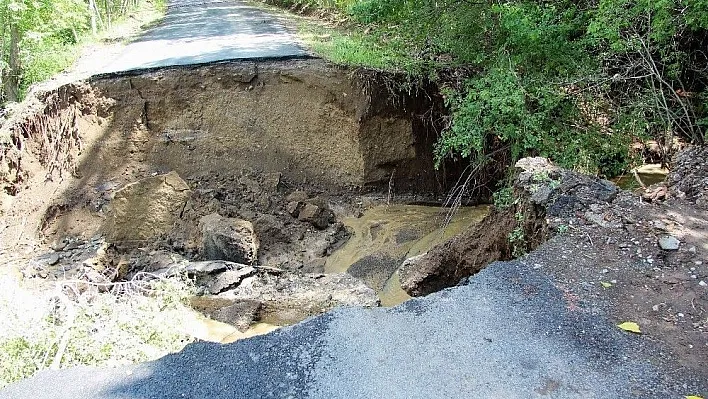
[[578, 82], [373, 11], [44, 59]]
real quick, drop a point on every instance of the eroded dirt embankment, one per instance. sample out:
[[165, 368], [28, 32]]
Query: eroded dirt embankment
[[306, 124], [612, 253], [250, 167], [316, 124], [241, 174]]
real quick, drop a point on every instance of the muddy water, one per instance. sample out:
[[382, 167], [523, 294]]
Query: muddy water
[[384, 236], [206, 329], [649, 174]]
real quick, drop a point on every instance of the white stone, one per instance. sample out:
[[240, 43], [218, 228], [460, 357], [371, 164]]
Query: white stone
[[669, 243]]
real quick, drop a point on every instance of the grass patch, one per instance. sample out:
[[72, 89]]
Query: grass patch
[[42, 59], [60, 329], [350, 47]]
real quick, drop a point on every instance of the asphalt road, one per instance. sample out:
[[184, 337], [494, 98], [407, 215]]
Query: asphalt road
[[507, 333], [205, 31]]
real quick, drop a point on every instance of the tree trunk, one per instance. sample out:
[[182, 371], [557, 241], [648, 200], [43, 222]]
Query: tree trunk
[[11, 75], [92, 12], [108, 13], [3, 31]]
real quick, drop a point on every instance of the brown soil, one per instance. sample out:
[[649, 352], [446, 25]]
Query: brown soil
[[243, 135], [660, 290], [474, 249]]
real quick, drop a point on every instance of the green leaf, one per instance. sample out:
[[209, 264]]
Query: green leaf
[[630, 326]]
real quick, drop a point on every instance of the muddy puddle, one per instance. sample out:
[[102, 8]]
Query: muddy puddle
[[649, 174], [385, 235]]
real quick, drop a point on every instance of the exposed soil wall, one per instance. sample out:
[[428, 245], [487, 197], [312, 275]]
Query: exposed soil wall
[[316, 124], [243, 136], [464, 255]]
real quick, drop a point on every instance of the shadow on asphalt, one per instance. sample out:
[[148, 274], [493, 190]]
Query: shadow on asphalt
[[508, 333], [275, 365]]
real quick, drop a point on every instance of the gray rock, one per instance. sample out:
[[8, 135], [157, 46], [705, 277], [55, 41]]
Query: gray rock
[[59, 245], [669, 243], [52, 259], [318, 216], [229, 279], [270, 182], [210, 266], [73, 245], [297, 196], [288, 297], [237, 312], [159, 260], [293, 208], [240, 314], [541, 195], [228, 239], [562, 192], [599, 220], [688, 178], [49, 259]]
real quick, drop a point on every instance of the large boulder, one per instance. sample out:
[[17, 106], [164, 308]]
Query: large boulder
[[146, 209], [318, 216], [228, 239]]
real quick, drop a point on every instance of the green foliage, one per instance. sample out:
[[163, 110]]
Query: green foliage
[[45, 33], [21, 358], [574, 81], [504, 198], [373, 11], [357, 49], [517, 239], [43, 59]]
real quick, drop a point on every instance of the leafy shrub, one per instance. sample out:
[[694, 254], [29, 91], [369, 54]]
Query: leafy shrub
[[574, 81], [373, 11]]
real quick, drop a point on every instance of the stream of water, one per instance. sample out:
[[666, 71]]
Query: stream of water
[[384, 236]]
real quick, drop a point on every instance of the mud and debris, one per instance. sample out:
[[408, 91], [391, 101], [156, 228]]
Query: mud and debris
[[294, 162], [251, 163]]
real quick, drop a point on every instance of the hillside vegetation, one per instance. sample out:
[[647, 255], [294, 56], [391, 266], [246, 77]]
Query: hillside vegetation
[[39, 38], [579, 82]]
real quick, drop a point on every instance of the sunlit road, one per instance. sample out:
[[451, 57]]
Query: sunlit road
[[204, 31]]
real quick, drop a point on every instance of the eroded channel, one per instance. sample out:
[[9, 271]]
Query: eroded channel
[[282, 189]]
